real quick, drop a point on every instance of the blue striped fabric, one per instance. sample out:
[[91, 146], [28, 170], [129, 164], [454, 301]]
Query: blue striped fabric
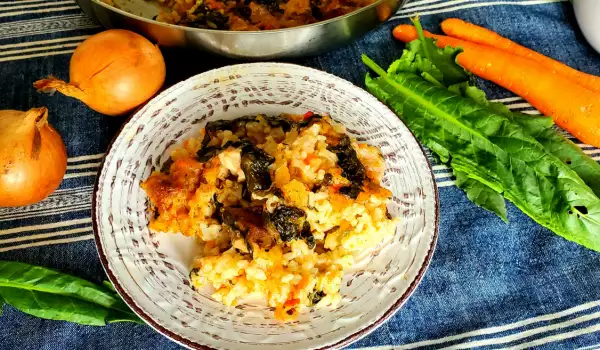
[[489, 284]]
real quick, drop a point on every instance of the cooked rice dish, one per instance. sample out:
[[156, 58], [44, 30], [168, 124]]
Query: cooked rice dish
[[282, 205], [251, 15]]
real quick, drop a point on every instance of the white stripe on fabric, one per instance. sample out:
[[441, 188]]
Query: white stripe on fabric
[[519, 105], [72, 190], [503, 328], [73, 175], [49, 50], [55, 202], [474, 5], [508, 99], [63, 210], [45, 226], [525, 334], [439, 167], [42, 42], [434, 6], [43, 211], [534, 112], [15, 58], [88, 157], [446, 183], [2, 3], [416, 3], [55, 24], [46, 235], [59, 192], [568, 135], [54, 9], [20, 6], [49, 242], [83, 166], [444, 177], [444, 174], [558, 337], [590, 347], [64, 200], [33, 49]]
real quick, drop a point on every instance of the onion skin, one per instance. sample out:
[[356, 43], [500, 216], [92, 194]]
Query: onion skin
[[112, 72], [33, 157]]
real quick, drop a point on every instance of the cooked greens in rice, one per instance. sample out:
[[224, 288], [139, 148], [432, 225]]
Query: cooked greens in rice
[[281, 205]]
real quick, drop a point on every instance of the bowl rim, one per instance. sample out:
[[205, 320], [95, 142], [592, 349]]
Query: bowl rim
[[238, 32], [191, 344]]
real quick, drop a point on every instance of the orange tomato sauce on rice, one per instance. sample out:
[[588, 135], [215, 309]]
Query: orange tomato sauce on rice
[[282, 205]]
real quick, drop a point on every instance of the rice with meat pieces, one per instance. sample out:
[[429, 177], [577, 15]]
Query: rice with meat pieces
[[281, 204], [249, 15]]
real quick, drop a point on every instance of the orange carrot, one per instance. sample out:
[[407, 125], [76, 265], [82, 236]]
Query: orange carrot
[[408, 33], [573, 107], [460, 29]]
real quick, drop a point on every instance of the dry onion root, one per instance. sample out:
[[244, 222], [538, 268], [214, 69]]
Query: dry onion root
[[33, 157], [112, 72]]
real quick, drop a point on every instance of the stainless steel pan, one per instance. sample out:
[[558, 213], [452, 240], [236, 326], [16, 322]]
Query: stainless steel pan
[[258, 45]]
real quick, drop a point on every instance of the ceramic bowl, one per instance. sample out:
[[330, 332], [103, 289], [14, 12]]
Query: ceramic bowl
[[151, 270], [587, 13]]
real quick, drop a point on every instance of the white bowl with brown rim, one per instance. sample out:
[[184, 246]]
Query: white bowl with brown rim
[[151, 271]]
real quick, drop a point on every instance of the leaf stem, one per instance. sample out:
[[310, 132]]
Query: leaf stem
[[374, 66]]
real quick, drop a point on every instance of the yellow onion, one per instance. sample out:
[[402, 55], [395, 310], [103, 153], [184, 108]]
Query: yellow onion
[[112, 72], [33, 157]]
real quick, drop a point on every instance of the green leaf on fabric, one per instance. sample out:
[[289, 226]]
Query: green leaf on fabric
[[444, 59], [54, 306], [541, 128], [495, 151], [562, 148], [50, 294], [482, 195], [109, 286], [115, 316], [412, 62]]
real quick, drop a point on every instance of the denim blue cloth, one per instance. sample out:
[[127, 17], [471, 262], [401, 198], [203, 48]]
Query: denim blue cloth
[[489, 284]]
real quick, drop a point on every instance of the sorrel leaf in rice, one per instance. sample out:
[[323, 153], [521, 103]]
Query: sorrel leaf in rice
[[288, 221], [50, 294], [493, 149], [255, 165], [352, 168]]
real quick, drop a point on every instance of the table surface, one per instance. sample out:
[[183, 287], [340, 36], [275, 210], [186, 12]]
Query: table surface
[[489, 284]]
